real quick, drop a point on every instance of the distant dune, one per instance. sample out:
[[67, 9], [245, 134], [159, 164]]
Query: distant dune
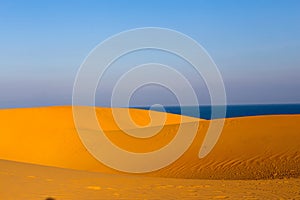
[[261, 147]]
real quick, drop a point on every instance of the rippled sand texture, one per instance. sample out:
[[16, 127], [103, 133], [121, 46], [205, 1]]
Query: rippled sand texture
[[249, 148], [25, 181]]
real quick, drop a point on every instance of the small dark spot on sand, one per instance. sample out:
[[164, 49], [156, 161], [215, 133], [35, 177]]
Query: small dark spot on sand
[[49, 198]]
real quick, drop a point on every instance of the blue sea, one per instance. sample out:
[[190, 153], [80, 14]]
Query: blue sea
[[231, 110]]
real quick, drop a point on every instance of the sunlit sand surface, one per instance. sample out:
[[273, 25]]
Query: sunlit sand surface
[[26, 181], [254, 158]]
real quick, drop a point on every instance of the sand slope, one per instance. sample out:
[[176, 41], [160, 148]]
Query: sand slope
[[26, 181], [249, 148]]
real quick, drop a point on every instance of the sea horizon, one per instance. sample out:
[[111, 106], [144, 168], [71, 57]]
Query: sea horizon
[[238, 110], [232, 110]]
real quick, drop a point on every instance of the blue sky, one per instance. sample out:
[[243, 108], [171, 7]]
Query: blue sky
[[256, 44]]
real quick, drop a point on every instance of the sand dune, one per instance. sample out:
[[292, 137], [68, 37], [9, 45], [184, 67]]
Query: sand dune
[[26, 181], [259, 147]]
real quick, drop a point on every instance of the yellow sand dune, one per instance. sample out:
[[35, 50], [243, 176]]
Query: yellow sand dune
[[33, 182], [248, 148]]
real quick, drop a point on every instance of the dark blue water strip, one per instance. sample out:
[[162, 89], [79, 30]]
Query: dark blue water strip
[[232, 110]]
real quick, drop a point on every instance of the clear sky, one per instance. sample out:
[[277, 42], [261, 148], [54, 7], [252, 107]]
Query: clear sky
[[256, 44]]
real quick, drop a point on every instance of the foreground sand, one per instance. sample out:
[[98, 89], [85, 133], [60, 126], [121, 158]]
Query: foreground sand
[[26, 181], [249, 148]]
